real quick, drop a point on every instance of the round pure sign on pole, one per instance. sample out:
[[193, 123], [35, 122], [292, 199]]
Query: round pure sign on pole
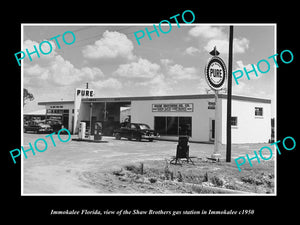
[[215, 76], [215, 73]]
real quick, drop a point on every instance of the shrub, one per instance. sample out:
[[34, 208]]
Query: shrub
[[217, 181]]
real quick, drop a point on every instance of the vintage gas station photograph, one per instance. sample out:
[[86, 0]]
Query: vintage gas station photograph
[[151, 109]]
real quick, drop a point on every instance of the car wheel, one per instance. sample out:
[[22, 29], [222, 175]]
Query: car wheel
[[118, 136], [151, 139], [138, 138], [130, 137]]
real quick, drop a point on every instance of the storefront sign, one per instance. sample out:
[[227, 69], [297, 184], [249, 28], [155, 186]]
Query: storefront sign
[[55, 106], [215, 73], [211, 105], [173, 107], [80, 93], [87, 93]]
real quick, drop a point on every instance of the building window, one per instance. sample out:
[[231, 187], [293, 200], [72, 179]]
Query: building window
[[234, 121], [185, 125], [133, 126], [173, 125], [258, 111], [160, 124]]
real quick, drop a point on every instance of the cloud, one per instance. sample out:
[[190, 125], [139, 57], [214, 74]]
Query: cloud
[[158, 85], [166, 62], [246, 89], [29, 45], [143, 68], [151, 79], [108, 83], [241, 89], [35, 70], [113, 44], [59, 72], [191, 51], [252, 87], [248, 67], [215, 36], [35, 75], [203, 86], [179, 72], [239, 45], [207, 32]]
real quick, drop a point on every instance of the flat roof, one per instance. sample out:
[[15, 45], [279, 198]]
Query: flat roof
[[168, 97], [246, 98], [40, 112], [55, 102], [165, 97]]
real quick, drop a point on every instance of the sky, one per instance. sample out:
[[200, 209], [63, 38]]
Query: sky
[[109, 58]]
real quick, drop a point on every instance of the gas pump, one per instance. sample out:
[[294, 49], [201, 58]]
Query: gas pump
[[98, 131], [81, 133]]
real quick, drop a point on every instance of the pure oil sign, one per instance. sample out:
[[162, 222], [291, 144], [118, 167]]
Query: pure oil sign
[[86, 93], [215, 73]]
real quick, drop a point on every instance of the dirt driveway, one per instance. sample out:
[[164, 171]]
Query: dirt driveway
[[86, 168]]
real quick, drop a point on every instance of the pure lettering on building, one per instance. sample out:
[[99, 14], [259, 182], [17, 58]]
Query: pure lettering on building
[[85, 92]]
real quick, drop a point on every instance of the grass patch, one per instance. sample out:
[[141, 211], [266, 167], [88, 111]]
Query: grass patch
[[256, 179]]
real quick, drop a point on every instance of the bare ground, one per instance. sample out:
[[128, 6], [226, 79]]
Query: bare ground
[[130, 167]]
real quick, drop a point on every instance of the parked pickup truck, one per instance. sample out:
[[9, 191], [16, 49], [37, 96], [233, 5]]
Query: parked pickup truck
[[137, 131]]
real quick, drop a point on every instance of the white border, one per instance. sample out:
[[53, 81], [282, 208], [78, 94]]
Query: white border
[[22, 117], [151, 24]]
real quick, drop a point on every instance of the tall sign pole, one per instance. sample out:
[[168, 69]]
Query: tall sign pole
[[215, 75], [216, 154], [229, 94]]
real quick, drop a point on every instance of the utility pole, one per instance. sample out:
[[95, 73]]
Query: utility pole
[[229, 94]]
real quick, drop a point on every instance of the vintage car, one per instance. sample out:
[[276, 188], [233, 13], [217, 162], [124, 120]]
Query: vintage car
[[37, 127], [55, 125], [137, 131]]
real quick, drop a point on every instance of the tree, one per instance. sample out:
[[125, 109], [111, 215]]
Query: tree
[[27, 96]]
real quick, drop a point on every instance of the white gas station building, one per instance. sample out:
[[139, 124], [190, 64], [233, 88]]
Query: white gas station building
[[250, 121]]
